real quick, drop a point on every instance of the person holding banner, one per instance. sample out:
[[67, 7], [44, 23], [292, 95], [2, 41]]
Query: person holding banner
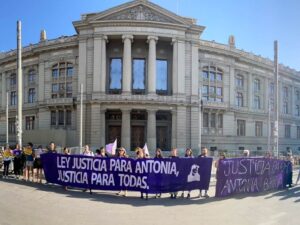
[[37, 164], [290, 169], [141, 155], [188, 154], [29, 161], [101, 153], [158, 155], [52, 147], [17, 153], [173, 155], [121, 153], [7, 157], [204, 153], [87, 151]]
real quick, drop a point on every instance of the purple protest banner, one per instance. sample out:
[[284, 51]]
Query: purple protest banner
[[250, 175], [145, 175]]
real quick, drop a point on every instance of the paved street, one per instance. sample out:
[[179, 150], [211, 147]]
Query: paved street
[[26, 203]]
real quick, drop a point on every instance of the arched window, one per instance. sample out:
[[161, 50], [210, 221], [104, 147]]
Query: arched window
[[62, 80], [62, 69], [212, 89]]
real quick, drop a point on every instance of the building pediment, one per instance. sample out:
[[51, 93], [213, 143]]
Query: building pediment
[[140, 13], [136, 12]]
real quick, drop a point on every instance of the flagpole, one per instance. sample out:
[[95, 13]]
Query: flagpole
[[20, 82]]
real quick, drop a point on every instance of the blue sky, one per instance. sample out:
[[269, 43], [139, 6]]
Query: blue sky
[[254, 23]]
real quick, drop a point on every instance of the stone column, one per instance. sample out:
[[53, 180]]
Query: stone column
[[250, 92], [3, 91], [82, 65], [181, 127], [174, 67], [231, 85], [41, 82], [195, 127], [96, 131], [127, 64], [99, 72], [195, 70], [152, 64], [181, 67], [102, 127], [65, 118], [125, 133], [174, 129], [57, 117], [103, 65], [267, 96], [151, 130], [291, 102]]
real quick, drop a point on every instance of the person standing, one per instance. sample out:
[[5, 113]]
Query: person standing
[[158, 155], [87, 151], [29, 161], [37, 164], [121, 153], [204, 154], [173, 156], [141, 155], [188, 154], [52, 147], [290, 169], [7, 156], [17, 153]]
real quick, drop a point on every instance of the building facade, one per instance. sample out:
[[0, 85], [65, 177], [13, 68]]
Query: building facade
[[144, 72]]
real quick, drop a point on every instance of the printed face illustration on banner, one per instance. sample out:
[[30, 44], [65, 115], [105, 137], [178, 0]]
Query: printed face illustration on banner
[[194, 174], [146, 175]]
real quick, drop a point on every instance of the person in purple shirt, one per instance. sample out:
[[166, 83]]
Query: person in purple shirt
[[17, 153]]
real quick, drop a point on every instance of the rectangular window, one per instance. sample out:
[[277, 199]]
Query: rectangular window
[[12, 125], [287, 131], [69, 90], [220, 120], [138, 76], [70, 70], [54, 73], [13, 98], [205, 75], [69, 117], [212, 76], [55, 89], [205, 90], [213, 120], [241, 127], [115, 76], [31, 95], [219, 77], [205, 119], [298, 132], [256, 102], [13, 80], [29, 122], [61, 117], [53, 118], [161, 76], [258, 129]]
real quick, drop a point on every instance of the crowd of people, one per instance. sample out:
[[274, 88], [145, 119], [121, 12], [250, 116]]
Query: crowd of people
[[27, 162]]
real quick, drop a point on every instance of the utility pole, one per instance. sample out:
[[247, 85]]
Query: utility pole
[[7, 140], [20, 82], [276, 85]]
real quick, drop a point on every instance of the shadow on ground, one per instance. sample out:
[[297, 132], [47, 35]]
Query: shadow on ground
[[135, 200]]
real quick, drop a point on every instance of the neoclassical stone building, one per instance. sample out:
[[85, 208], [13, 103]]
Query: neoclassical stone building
[[144, 71]]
